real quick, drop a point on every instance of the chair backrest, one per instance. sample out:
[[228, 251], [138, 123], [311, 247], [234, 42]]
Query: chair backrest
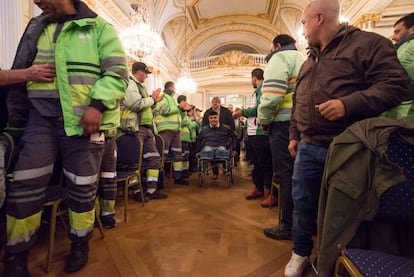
[[9, 152], [129, 154], [160, 143], [397, 203]]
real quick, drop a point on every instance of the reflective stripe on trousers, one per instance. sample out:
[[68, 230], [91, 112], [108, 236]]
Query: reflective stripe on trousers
[[43, 139]]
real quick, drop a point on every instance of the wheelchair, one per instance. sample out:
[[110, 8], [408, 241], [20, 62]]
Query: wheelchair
[[228, 166]]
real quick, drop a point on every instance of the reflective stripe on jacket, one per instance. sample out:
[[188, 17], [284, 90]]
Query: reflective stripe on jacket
[[167, 115], [90, 66]]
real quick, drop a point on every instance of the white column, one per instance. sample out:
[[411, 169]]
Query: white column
[[11, 29]]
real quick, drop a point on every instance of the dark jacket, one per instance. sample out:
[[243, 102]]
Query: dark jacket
[[215, 137], [225, 117], [359, 68], [18, 104], [357, 172]]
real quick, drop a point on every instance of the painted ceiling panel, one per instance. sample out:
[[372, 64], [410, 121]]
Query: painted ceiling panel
[[215, 8]]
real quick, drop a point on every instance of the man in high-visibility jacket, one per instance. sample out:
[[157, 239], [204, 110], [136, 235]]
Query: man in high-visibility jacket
[[69, 117], [138, 100], [167, 119]]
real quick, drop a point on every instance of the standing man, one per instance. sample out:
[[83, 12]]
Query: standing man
[[71, 116], [37, 73], [404, 44], [260, 154], [239, 128], [274, 114], [138, 100], [349, 75], [194, 128], [168, 121], [185, 133]]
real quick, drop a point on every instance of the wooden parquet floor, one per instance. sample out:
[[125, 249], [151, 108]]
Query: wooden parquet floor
[[209, 231]]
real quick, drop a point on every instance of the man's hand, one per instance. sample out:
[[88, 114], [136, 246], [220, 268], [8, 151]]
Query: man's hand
[[265, 129], [332, 109], [91, 121], [157, 95], [237, 113], [41, 73], [293, 147], [233, 153]]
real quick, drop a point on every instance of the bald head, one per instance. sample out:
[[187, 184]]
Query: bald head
[[329, 8], [321, 21]]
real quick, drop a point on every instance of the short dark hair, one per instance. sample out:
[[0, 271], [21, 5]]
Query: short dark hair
[[283, 40], [181, 98], [258, 73], [408, 20], [140, 66], [168, 85], [212, 113]]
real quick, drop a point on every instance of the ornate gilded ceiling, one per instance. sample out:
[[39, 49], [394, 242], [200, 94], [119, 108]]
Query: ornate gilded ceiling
[[215, 24], [219, 26]]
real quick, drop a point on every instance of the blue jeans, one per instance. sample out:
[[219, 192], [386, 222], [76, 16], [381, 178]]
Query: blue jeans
[[306, 185], [210, 153]]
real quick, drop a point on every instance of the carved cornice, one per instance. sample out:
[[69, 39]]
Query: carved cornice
[[113, 11], [233, 58], [91, 4], [292, 19], [367, 21], [345, 5]]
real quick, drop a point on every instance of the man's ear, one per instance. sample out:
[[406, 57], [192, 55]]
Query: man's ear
[[321, 18]]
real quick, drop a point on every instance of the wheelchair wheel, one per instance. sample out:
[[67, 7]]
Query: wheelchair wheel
[[201, 178], [232, 171], [229, 172], [201, 172]]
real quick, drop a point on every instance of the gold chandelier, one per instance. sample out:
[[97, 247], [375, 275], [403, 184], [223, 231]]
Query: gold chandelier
[[185, 85], [139, 39]]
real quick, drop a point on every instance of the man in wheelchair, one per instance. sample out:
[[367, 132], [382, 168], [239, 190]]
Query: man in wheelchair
[[216, 141]]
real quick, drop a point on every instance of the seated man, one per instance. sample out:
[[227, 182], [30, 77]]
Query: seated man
[[216, 140]]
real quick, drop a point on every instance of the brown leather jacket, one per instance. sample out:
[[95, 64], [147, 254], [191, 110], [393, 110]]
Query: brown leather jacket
[[359, 68]]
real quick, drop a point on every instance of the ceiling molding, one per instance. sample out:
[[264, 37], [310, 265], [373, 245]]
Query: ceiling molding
[[245, 24], [114, 13]]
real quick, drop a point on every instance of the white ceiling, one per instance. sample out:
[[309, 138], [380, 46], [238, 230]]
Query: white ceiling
[[210, 9]]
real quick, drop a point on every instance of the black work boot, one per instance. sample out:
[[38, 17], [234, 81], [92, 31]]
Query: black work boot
[[181, 181], [15, 265], [278, 233], [78, 257]]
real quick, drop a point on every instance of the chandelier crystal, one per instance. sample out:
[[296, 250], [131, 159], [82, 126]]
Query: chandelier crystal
[[185, 85], [139, 39]]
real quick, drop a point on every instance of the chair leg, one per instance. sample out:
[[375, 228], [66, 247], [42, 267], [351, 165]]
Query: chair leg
[[271, 192], [279, 207], [52, 234], [272, 186], [142, 193], [100, 226], [125, 202]]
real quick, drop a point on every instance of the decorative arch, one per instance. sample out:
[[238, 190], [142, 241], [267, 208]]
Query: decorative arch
[[250, 25]]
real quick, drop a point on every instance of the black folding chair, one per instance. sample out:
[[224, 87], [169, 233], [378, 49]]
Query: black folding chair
[[129, 163]]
